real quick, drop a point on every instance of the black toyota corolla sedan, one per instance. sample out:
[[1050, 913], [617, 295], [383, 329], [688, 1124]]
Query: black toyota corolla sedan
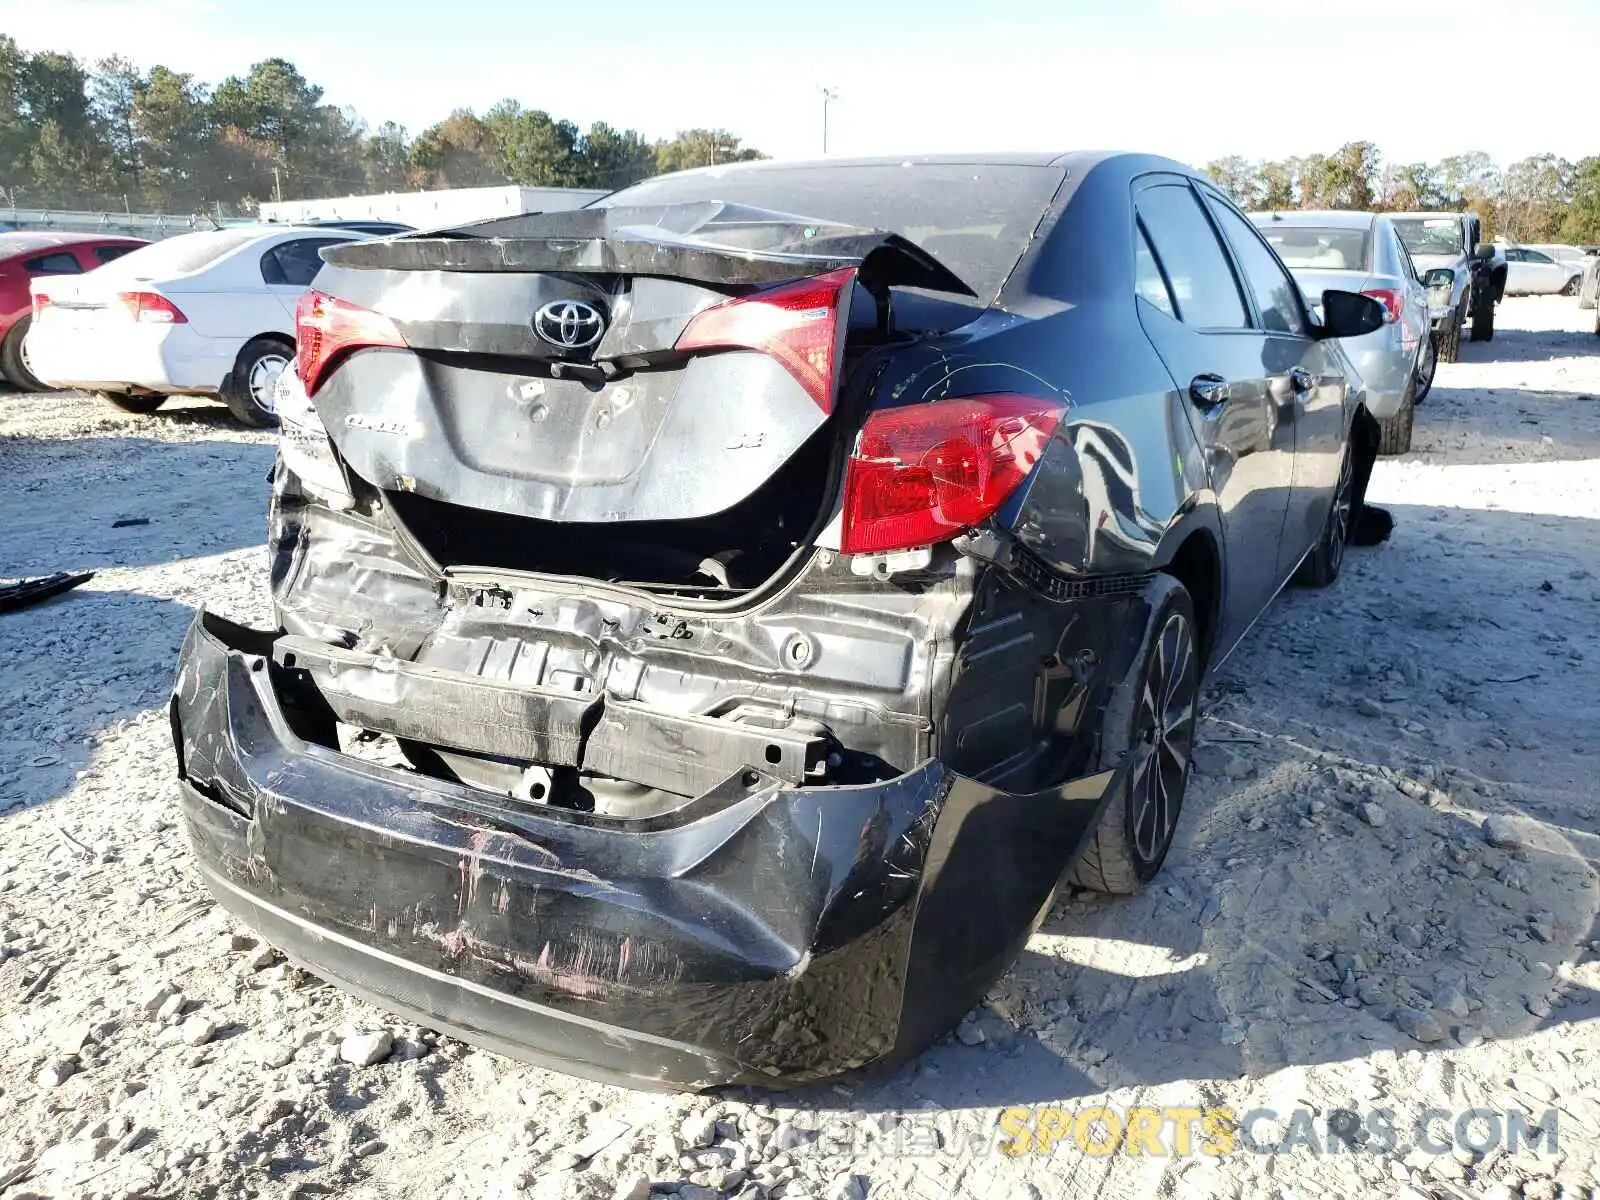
[[712, 623]]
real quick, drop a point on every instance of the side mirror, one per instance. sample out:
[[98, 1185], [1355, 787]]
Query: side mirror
[[1484, 251], [1439, 277], [1350, 314]]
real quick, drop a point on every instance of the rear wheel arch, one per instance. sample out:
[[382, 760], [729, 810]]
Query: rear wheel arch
[[237, 390], [1194, 559]]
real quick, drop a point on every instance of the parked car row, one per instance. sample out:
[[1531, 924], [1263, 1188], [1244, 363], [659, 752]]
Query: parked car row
[[757, 592], [201, 314], [1363, 252]]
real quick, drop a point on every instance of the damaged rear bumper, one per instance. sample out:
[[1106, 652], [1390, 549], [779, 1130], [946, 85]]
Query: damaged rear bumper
[[769, 936]]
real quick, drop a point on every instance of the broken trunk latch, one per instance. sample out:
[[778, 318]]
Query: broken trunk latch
[[662, 625]]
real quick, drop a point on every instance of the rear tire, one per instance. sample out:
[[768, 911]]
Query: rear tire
[[1321, 567], [1394, 434], [1151, 719], [248, 390], [1483, 319], [128, 402], [12, 362], [1449, 345]]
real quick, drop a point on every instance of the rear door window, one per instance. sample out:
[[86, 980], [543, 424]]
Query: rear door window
[[1277, 297], [60, 263], [107, 254], [1202, 282]]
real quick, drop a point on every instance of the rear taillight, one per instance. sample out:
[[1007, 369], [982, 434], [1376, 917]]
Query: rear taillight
[[800, 324], [1393, 302], [327, 328], [152, 308], [923, 473], [40, 303]]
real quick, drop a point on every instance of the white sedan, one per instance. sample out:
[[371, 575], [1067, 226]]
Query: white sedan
[[202, 314], [1533, 272]]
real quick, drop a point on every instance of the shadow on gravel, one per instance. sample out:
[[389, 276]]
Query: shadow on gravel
[[1530, 345], [74, 667], [1477, 425], [63, 500], [1212, 992], [196, 415]]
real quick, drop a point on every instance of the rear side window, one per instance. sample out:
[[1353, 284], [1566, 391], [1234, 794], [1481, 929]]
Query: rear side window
[[1202, 282], [296, 263], [111, 253], [60, 263], [1148, 282], [1276, 294]]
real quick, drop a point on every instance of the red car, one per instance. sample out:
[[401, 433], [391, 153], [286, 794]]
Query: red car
[[25, 255]]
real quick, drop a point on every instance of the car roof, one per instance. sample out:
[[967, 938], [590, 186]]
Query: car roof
[[264, 230], [1077, 162], [1421, 216], [1323, 219]]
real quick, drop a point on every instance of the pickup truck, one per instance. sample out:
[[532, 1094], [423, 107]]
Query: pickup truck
[[1465, 275]]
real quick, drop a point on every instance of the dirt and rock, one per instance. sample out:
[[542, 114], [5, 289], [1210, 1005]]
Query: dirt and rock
[[1383, 896]]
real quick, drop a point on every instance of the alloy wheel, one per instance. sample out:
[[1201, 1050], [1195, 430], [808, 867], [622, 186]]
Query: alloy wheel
[[1343, 509], [1427, 368], [263, 381], [1165, 739]]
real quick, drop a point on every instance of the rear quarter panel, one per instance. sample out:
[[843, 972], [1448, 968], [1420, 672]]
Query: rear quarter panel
[[1124, 478], [229, 299]]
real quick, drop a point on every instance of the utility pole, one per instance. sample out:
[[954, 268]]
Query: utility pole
[[828, 96], [277, 184]]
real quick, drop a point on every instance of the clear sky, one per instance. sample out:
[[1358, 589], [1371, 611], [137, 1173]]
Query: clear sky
[[1194, 79]]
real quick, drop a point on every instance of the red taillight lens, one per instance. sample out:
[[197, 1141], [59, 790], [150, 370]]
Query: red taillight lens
[[798, 324], [924, 473], [40, 303], [1393, 303], [152, 308], [327, 328]]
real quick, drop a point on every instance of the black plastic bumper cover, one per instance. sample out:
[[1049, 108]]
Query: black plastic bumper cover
[[776, 938]]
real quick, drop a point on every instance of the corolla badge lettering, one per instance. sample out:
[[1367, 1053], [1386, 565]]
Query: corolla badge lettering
[[382, 425], [570, 324]]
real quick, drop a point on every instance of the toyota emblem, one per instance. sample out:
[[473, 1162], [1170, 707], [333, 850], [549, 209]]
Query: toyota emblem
[[570, 324]]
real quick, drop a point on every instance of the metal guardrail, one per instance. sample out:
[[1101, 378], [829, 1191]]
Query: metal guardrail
[[147, 225]]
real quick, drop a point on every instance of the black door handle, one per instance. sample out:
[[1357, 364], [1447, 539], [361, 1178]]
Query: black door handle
[[1208, 391]]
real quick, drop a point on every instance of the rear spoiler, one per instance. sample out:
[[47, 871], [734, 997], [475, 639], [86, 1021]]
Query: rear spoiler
[[714, 243]]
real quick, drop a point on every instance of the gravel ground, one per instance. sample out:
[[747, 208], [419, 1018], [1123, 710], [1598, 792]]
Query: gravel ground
[[1382, 898]]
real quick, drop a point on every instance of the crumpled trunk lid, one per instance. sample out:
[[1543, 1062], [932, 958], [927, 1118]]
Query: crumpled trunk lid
[[544, 376]]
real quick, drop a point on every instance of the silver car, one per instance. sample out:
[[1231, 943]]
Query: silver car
[[1362, 252]]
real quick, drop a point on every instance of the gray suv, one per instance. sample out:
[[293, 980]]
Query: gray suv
[[1465, 275]]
